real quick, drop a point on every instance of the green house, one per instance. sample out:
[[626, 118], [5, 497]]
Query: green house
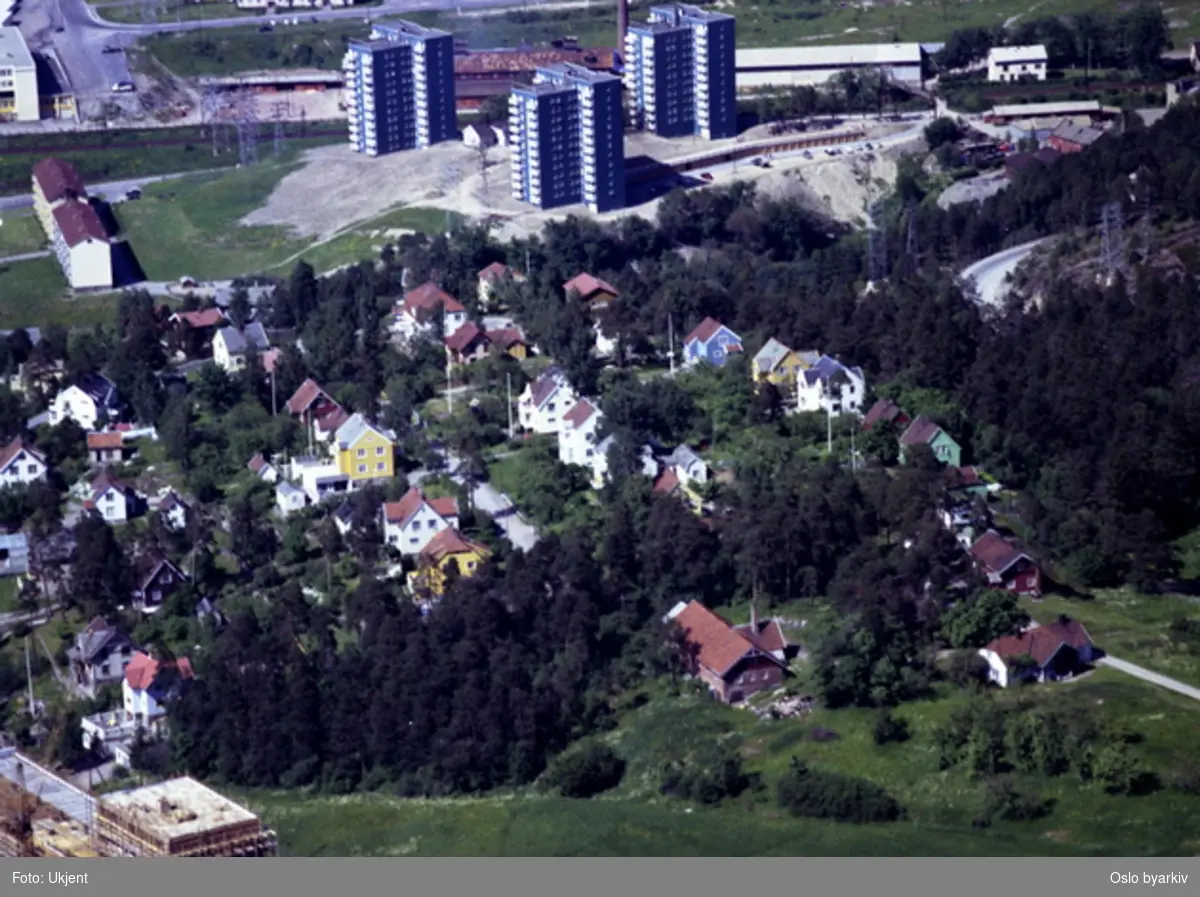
[[923, 431]]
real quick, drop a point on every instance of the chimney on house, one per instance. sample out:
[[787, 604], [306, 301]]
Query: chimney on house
[[622, 27], [754, 616]]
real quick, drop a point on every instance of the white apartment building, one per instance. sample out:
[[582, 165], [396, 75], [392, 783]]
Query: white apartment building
[[18, 78]]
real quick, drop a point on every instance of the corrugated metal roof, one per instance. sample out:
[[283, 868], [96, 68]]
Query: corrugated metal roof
[[827, 57]]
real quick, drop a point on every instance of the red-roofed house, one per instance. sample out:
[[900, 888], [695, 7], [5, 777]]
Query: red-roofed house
[[81, 242], [1006, 566], [735, 662], [151, 684], [885, 410], [511, 341], [493, 274], [466, 344], [21, 464], [195, 330], [598, 294], [316, 409], [263, 469], [710, 341], [106, 448], [1040, 653], [447, 550], [411, 523], [417, 312]]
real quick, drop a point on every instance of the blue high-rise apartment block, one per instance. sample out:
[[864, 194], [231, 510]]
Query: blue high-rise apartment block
[[680, 74], [400, 88], [568, 139]]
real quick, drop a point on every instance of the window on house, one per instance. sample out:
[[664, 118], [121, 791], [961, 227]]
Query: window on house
[[362, 453], [413, 541], [31, 469], [104, 670], [379, 451], [362, 468]]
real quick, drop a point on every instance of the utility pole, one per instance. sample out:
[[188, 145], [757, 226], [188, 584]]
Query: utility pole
[[671, 343], [449, 394], [274, 404], [508, 378], [853, 453], [29, 680]]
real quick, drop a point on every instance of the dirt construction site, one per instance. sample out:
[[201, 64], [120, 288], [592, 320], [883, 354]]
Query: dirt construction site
[[355, 188]]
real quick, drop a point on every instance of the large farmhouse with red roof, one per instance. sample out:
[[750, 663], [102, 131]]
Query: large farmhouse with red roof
[[734, 661]]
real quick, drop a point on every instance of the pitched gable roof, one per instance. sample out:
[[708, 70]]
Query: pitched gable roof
[[704, 331], [718, 645], [105, 481], [465, 337], [143, 670], [545, 386], [205, 317], [996, 553], [305, 396], [402, 511], [579, 414], [495, 271], [149, 566], [768, 637], [14, 449], [239, 341], [884, 409], [450, 542], [428, 297], [110, 439], [826, 367], [78, 222], [95, 638], [258, 464], [354, 429], [98, 388], [587, 285], [667, 482], [58, 179], [506, 337], [1043, 642], [768, 357], [921, 431]]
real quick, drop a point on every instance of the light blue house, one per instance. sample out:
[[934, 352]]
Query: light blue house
[[711, 341]]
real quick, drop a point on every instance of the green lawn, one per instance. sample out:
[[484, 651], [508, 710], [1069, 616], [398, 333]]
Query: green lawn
[[20, 232], [34, 293], [771, 24], [190, 226], [635, 820], [8, 594], [1133, 627]]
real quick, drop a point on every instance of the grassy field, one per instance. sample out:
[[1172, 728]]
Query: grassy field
[[34, 293], [20, 232], [123, 154], [1133, 627], [190, 226], [635, 821], [771, 24]]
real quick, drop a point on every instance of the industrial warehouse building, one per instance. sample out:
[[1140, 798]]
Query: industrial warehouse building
[[760, 67], [18, 79]]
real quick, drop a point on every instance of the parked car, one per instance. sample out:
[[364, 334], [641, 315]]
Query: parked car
[[135, 193], [706, 176]]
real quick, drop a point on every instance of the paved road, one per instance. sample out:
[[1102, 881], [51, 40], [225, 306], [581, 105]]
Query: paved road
[[25, 256], [110, 190], [487, 497], [990, 275], [1132, 669]]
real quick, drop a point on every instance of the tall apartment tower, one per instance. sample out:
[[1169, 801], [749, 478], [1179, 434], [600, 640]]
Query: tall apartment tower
[[679, 72], [400, 89], [568, 139]]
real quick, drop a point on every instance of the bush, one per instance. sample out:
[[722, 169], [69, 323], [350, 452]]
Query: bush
[[888, 729], [588, 771], [831, 795], [1002, 799], [708, 777]]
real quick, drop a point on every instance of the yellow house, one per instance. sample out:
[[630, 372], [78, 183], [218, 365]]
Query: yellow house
[[364, 453], [434, 562], [776, 363]]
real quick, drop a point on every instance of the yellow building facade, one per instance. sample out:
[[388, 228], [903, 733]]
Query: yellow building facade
[[364, 452]]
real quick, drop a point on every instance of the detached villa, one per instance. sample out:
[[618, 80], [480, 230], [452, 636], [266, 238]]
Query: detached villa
[[1040, 653]]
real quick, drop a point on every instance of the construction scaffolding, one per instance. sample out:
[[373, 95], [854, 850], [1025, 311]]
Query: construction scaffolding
[[179, 818]]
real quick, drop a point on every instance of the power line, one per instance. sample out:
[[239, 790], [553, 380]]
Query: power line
[[247, 127], [281, 112], [1112, 241]]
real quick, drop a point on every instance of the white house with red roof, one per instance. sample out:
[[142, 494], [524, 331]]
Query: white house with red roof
[[148, 687], [544, 401], [710, 341], [1040, 653], [416, 313], [21, 464], [411, 523], [263, 469], [489, 277]]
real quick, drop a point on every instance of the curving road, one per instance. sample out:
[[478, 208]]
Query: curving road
[[990, 275], [1132, 669], [111, 191]]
